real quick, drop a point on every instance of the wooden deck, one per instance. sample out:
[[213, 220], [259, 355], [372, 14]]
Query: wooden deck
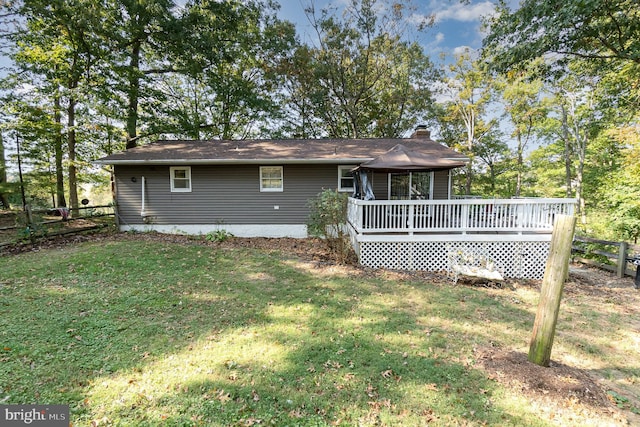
[[491, 216], [424, 234]]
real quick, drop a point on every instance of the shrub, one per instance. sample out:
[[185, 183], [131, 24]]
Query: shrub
[[327, 219], [218, 236]]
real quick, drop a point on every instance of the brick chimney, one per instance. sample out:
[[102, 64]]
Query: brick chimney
[[421, 132]]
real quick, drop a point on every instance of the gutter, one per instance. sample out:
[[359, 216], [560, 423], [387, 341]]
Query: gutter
[[233, 161]]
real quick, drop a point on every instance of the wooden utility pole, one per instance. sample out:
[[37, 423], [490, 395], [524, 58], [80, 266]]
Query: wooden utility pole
[[555, 273]]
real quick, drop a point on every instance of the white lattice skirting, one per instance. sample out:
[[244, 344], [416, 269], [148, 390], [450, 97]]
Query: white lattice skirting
[[516, 259]]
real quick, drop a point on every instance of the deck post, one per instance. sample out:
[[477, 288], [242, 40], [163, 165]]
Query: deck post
[[622, 259], [520, 218], [544, 327], [465, 218], [411, 218]]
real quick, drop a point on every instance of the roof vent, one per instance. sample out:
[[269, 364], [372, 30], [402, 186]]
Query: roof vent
[[421, 132]]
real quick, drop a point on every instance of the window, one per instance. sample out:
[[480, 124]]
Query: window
[[345, 178], [180, 179], [271, 178], [412, 185]]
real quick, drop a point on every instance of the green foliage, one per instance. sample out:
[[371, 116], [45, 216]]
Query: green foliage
[[30, 228], [622, 402], [363, 79], [463, 122], [218, 236], [327, 219], [594, 29]]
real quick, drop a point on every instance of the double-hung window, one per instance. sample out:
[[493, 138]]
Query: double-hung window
[[345, 178], [180, 179], [271, 179]]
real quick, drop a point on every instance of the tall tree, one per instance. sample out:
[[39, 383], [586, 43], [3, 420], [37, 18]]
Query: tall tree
[[138, 35], [369, 81], [56, 42], [302, 94], [4, 190], [230, 89], [468, 93], [521, 98], [493, 165], [595, 29], [4, 185], [620, 192]]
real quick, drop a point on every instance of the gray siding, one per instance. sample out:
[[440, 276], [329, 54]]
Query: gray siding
[[230, 194], [220, 194]]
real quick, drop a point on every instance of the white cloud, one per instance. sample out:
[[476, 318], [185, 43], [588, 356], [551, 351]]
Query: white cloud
[[459, 50], [463, 13], [433, 45]]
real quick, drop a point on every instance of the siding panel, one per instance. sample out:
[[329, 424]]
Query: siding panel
[[220, 194]]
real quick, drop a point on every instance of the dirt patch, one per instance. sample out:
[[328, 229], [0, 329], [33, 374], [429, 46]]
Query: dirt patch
[[563, 392]]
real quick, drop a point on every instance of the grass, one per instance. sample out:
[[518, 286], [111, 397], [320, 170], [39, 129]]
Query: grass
[[146, 333]]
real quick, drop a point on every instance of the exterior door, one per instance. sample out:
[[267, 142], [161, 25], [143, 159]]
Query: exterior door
[[410, 186]]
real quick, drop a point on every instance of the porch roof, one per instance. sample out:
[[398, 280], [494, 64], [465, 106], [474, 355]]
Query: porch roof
[[273, 151], [401, 159]]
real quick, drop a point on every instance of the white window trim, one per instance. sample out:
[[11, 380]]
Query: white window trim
[[172, 179], [340, 187], [272, 190]]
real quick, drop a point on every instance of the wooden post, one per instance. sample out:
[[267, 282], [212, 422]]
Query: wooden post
[[29, 214], [622, 259], [544, 327]]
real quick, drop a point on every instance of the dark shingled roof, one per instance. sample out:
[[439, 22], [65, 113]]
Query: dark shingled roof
[[272, 151], [401, 158]]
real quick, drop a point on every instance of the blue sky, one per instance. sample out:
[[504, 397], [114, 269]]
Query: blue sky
[[457, 25]]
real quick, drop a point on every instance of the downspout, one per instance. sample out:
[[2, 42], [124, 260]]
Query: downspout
[[143, 213]]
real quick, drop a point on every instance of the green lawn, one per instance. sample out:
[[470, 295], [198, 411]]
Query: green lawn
[[147, 333]]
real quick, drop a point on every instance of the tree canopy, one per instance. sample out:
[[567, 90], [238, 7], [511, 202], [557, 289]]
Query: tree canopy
[[549, 108], [592, 29]]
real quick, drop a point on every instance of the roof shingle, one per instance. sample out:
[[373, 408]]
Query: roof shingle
[[272, 151]]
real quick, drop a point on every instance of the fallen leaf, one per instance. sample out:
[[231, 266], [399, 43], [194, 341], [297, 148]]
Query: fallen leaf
[[223, 397]]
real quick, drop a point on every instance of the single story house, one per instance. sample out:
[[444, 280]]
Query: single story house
[[260, 188], [400, 214]]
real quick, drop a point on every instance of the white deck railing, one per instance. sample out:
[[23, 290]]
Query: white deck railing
[[456, 216]]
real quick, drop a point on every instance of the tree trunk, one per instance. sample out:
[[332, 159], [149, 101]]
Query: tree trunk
[[469, 118], [582, 155], [468, 178], [60, 198], [133, 94], [519, 164], [4, 198], [567, 152], [71, 146]]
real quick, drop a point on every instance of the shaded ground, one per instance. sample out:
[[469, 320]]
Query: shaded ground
[[16, 237], [562, 392]]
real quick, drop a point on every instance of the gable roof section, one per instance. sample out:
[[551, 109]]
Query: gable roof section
[[272, 151]]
